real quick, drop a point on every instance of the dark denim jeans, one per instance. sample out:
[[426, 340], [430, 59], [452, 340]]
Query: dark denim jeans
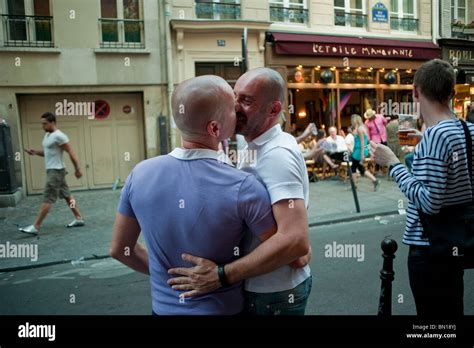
[[437, 286], [290, 302]]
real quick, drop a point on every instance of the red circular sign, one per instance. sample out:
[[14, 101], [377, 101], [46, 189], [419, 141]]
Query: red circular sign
[[102, 109], [127, 109]]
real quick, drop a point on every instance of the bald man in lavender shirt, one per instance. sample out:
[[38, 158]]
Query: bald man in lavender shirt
[[191, 200]]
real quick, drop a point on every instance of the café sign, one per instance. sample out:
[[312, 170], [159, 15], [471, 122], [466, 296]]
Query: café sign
[[338, 46], [463, 55], [362, 51]]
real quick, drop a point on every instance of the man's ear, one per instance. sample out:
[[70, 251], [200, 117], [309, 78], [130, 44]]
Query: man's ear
[[276, 108], [416, 93], [213, 128]]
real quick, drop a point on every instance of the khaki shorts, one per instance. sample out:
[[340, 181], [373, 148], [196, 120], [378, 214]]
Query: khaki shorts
[[55, 185]]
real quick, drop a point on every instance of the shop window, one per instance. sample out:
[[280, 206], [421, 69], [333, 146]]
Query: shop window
[[406, 77], [350, 13], [289, 11], [357, 76], [121, 24], [403, 15], [218, 9], [27, 23], [300, 75]]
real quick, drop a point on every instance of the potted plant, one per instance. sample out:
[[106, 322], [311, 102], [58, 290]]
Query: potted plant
[[457, 26], [469, 28]]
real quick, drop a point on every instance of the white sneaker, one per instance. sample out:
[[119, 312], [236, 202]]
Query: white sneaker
[[76, 223], [30, 230]]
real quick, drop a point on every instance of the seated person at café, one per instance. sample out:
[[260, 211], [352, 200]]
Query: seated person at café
[[317, 150], [338, 145]]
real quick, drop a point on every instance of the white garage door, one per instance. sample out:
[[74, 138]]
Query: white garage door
[[108, 147]]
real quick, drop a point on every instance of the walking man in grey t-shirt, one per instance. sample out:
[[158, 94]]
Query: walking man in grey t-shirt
[[54, 143]]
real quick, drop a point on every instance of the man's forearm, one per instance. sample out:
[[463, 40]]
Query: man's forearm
[[39, 153], [74, 160], [137, 260], [277, 251]]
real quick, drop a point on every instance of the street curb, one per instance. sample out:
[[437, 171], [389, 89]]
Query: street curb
[[354, 217], [52, 263]]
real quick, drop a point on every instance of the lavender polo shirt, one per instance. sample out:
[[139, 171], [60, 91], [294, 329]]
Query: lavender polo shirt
[[194, 201]]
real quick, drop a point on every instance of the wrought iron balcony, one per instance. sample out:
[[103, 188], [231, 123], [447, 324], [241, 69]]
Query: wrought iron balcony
[[217, 10], [27, 31], [356, 20], [122, 33], [404, 24], [288, 14], [457, 31]]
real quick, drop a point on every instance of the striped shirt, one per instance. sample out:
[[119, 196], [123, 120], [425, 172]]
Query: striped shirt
[[439, 176]]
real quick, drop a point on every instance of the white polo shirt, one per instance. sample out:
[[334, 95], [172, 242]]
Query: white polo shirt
[[279, 165], [341, 145]]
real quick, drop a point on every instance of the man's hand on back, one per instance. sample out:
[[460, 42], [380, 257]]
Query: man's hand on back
[[198, 280]]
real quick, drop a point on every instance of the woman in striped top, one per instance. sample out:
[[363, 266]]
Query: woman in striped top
[[439, 178]]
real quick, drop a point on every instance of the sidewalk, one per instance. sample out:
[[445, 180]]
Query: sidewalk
[[331, 201]]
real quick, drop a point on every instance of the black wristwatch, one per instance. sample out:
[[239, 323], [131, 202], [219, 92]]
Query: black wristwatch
[[221, 274]]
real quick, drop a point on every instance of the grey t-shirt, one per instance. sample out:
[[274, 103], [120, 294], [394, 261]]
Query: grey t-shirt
[[53, 153]]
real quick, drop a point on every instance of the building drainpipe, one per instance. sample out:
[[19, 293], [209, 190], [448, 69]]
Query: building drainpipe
[[435, 20], [169, 71]]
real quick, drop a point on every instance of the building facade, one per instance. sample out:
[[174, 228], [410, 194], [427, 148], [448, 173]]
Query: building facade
[[100, 66], [344, 56], [456, 39], [338, 56], [124, 58]]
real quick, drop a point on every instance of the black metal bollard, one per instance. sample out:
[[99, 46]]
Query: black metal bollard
[[389, 247]]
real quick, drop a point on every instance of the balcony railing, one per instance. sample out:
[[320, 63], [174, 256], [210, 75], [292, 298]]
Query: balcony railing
[[356, 20], [27, 31], [217, 10], [404, 24], [457, 31], [122, 33], [288, 14]]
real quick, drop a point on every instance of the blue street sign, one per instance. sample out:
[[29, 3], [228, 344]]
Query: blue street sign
[[380, 13]]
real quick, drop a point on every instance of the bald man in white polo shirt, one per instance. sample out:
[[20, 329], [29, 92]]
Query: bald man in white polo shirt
[[260, 95]]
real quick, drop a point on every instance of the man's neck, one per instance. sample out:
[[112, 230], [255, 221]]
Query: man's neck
[[190, 145], [250, 138], [436, 113]]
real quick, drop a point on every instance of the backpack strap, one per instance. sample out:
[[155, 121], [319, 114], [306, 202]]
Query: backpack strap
[[467, 133]]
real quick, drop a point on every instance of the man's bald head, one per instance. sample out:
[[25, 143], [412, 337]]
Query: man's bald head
[[198, 101], [260, 94], [273, 85]]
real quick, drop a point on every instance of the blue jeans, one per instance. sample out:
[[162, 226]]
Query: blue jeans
[[289, 302]]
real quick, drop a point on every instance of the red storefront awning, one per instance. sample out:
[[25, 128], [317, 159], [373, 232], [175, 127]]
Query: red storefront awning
[[339, 46]]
